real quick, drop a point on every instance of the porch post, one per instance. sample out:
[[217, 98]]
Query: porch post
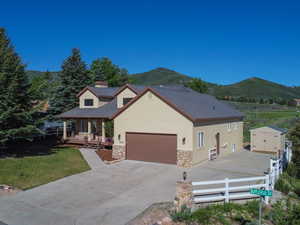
[[89, 130], [103, 131], [65, 130]]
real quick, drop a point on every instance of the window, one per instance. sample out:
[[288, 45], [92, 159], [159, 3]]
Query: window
[[229, 126], [126, 100], [200, 139], [88, 102]]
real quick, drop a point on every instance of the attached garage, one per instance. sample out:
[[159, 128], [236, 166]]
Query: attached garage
[[161, 148]]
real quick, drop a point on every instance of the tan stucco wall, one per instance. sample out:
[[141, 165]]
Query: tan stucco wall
[[89, 95], [267, 140], [126, 93], [228, 137], [149, 114]]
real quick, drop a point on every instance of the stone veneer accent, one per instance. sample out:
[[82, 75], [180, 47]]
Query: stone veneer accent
[[118, 152], [184, 195], [184, 158]]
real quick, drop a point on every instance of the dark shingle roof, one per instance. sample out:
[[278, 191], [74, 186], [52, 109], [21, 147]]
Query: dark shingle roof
[[197, 105], [105, 111], [282, 130], [194, 104], [108, 92]]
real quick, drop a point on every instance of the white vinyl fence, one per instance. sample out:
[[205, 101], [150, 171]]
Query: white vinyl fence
[[235, 189], [229, 189]]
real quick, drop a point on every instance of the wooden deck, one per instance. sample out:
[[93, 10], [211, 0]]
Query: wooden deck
[[86, 143]]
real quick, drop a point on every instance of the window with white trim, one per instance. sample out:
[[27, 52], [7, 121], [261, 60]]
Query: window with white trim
[[229, 126], [200, 139], [88, 102]]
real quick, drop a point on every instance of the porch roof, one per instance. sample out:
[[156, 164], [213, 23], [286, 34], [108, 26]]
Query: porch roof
[[103, 112]]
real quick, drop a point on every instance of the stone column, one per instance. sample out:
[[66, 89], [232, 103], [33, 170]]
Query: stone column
[[103, 131], [89, 130], [65, 131], [184, 195]]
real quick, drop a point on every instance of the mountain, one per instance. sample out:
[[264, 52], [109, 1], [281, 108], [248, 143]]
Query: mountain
[[160, 76], [257, 88], [253, 87]]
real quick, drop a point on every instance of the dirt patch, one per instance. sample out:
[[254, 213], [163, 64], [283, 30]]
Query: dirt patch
[[156, 214], [105, 155]]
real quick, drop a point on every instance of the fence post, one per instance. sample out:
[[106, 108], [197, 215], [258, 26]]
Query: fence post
[[226, 190], [267, 187], [277, 169], [184, 195]]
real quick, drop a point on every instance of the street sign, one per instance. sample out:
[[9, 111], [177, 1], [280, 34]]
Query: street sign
[[261, 192]]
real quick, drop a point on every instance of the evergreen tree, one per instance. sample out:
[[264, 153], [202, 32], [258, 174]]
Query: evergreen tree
[[41, 86], [16, 114], [73, 78], [294, 136], [104, 69], [198, 85]]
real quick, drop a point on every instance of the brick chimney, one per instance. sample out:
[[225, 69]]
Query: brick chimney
[[101, 84]]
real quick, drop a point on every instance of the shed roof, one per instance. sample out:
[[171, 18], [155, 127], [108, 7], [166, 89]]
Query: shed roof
[[272, 128]]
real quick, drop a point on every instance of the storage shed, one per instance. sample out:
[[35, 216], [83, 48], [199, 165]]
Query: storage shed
[[270, 139]]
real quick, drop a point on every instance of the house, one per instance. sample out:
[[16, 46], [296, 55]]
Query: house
[[166, 124], [269, 140], [297, 101]]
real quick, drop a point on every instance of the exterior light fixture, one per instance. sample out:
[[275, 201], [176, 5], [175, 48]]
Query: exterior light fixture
[[119, 137], [184, 175], [183, 141]]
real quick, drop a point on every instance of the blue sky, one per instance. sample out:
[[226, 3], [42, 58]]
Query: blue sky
[[219, 41]]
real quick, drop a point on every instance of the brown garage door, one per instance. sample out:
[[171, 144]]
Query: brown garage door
[[160, 148]]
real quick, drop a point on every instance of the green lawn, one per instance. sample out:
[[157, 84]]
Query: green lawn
[[254, 119], [31, 171]]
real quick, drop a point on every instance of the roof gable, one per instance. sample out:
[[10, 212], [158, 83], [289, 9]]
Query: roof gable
[[157, 95]]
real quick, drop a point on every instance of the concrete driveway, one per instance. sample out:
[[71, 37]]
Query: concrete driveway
[[114, 194]]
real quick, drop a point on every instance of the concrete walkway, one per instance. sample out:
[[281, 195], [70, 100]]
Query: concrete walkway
[[91, 158], [114, 194]]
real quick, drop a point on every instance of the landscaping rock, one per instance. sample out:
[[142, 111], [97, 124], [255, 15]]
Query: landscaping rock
[[156, 214]]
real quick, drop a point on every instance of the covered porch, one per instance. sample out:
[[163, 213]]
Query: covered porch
[[95, 132]]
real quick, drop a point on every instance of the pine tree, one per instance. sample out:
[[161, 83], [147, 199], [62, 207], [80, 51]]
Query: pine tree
[[16, 114], [73, 78]]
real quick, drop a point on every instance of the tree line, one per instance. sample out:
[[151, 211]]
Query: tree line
[[279, 101]]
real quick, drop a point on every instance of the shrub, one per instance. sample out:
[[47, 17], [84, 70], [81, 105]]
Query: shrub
[[292, 170], [183, 215], [297, 188], [283, 184]]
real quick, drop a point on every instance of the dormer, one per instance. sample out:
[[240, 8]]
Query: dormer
[[88, 100], [125, 95], [91, 97]]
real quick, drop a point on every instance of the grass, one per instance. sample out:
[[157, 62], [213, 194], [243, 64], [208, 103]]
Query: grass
[[31, 171], [255, 119]]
